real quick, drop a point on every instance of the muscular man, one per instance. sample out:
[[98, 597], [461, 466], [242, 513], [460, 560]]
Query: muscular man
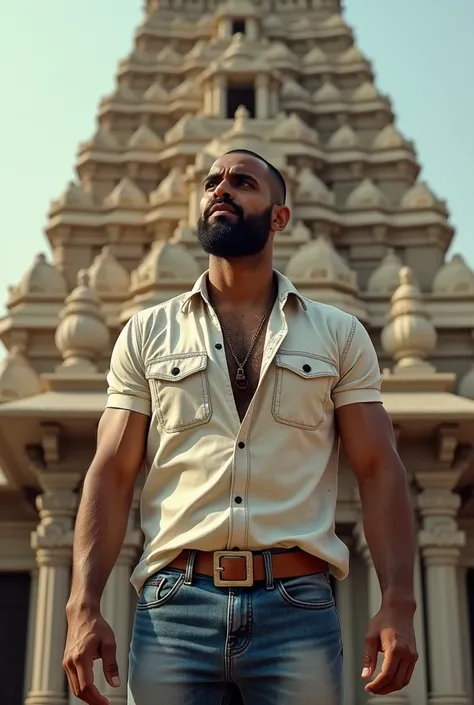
[[236, 396]]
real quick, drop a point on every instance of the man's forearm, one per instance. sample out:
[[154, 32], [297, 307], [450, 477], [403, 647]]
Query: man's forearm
[[99, 534], [389, 530]]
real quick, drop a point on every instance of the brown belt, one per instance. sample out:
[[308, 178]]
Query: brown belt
[[243, 568]]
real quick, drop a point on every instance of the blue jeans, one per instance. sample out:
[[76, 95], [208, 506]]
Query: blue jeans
[[277, 643]]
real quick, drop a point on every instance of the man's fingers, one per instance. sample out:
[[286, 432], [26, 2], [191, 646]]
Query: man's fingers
[[391, 662], [72, 678], [372, 648], [108, 653], [87, 690]]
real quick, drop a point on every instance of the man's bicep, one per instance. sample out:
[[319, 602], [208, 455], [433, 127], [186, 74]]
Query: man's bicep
[[367, 437], [121, 443]]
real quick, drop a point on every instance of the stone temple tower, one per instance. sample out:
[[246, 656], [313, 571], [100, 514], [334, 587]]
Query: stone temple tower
[[368, 234]]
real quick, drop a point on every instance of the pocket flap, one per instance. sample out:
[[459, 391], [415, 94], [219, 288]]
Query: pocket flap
[[174, 368], [305, 365]]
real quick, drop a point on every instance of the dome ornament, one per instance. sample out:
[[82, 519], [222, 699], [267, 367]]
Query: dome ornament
[[409, 336], [82, 336]]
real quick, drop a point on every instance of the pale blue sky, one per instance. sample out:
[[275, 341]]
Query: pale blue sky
[[60, 56]]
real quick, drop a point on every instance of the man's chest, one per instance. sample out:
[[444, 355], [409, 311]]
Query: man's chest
[[193, 378]]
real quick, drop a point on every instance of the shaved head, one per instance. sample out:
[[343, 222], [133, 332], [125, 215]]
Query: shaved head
[[278, 182]]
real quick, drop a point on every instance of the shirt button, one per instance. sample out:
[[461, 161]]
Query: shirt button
[[241, 445], [306, 368], [218, 346], [238, 500], [175, 371]]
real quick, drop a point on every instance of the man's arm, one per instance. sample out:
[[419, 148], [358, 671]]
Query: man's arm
[[367, 437], [105, 505], [103, 514], [368, 440]]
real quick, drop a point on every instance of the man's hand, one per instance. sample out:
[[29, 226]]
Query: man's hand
[[89, 638], [391, 632]]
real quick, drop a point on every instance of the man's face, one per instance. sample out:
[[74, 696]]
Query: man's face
[[236, 208]]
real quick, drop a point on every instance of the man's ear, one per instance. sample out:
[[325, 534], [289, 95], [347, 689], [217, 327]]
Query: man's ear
[[281, 216]]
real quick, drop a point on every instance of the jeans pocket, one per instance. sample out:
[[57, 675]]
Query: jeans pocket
[[159, 590], [311, 592]]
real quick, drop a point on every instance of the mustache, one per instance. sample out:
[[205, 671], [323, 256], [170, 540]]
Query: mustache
[[223, 201]]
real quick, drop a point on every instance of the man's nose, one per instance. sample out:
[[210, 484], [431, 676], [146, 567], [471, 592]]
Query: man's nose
[[223, 190]]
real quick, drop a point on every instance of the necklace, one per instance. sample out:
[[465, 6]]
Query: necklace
[[241, 380]]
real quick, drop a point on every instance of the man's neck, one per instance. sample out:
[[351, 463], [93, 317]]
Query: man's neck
[[241, 285]]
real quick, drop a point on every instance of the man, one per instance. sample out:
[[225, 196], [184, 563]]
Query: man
[[236, 396]]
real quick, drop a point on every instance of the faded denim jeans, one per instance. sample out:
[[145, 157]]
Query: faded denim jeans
[[277, 643]]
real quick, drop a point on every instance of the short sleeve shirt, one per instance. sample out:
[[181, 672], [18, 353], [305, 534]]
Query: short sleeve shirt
[[215, 482]]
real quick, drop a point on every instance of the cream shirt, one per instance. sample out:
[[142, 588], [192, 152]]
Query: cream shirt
[[214, 483]]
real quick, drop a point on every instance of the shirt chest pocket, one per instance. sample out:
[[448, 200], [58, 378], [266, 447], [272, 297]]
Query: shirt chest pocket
[[179, 389], [303, 385]]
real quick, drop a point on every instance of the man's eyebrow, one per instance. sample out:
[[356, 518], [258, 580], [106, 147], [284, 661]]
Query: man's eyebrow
[[238, 174]]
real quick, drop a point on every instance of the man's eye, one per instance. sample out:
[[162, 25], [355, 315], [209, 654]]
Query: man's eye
[[210, 184]]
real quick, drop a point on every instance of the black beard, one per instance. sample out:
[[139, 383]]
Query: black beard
[[244, 237]]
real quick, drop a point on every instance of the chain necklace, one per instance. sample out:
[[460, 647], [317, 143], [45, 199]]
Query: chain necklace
[[241, 380]]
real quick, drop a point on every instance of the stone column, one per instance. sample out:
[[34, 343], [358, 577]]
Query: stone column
[[208, 99], [30, 639], [220, 97], [441, 544], [252, 29], [115, 609], [274, 100], [52, 541], [224, 30], [262, 97], [375, 601], [417, 689]]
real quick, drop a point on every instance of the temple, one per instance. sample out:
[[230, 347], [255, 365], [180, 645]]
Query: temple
[[367, 235]]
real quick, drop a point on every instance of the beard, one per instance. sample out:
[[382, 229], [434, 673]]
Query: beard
[[243, 236]]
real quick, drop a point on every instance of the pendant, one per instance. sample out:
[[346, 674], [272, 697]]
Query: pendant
[[241, 379]]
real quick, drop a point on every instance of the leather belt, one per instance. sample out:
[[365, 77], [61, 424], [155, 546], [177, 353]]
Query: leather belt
[[243, 568]]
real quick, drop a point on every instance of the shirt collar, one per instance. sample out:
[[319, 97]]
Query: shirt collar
[[285, 289]]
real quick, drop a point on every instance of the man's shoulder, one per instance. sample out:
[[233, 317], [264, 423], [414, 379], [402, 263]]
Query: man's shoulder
[[165, 310], [329, 315]]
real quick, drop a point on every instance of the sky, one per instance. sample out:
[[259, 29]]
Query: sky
[[59, 57]]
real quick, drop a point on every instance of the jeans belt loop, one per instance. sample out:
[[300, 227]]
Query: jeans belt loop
[[267, 560], [188, 575]]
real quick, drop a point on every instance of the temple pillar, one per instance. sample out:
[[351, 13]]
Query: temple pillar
[[262, 102], [52, 541], [374, 604], [441, 543], [252, 32], [219, 108], [224, 30], [418, 687], [30, 639]]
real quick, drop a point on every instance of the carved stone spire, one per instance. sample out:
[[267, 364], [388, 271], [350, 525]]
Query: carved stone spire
[[82, 336], [409, 336], [18, 379]]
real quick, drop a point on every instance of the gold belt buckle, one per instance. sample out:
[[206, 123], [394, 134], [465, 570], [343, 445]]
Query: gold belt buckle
[[234, 555]]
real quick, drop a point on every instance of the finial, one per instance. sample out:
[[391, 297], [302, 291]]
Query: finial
[[406, 277], [409, 336], [241, 113], [83, 278], [82, 335]]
